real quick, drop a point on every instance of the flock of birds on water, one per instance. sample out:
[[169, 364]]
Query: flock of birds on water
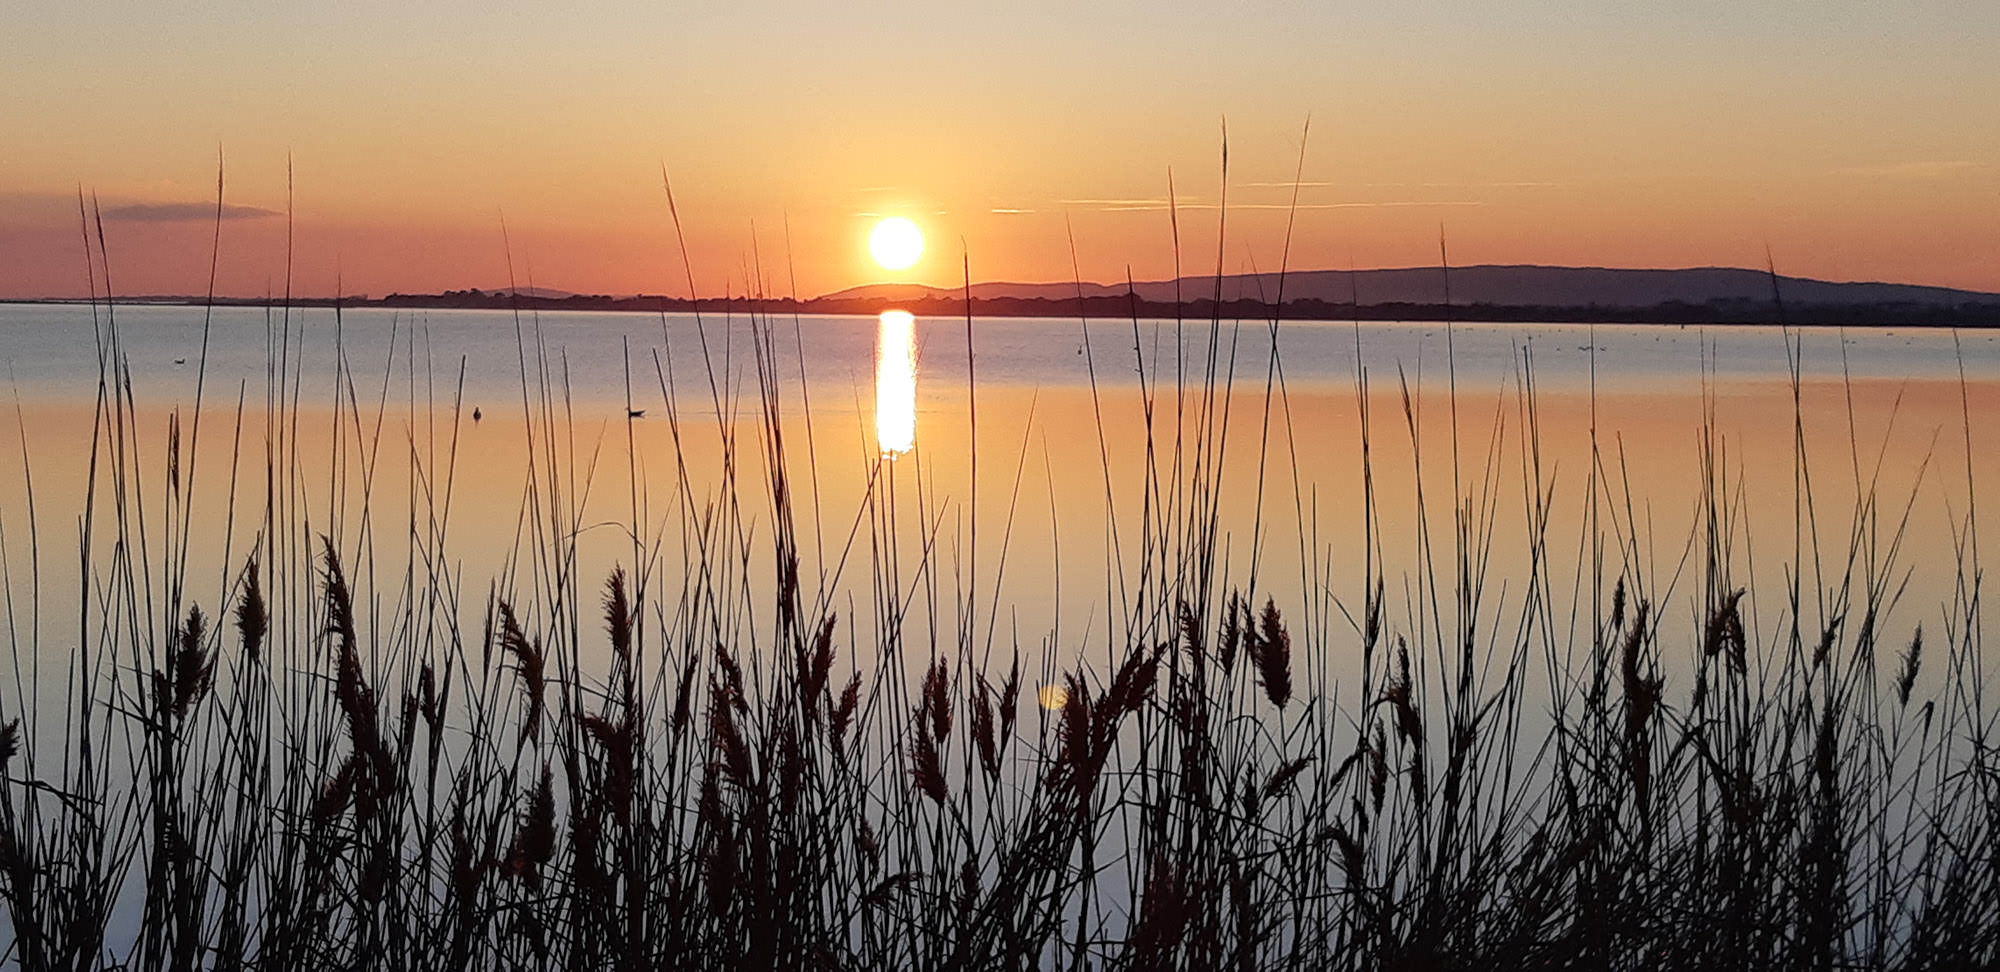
[[629, 413], [641, 413]]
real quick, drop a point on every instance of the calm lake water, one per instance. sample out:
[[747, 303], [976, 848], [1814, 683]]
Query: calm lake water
[[378, 447]]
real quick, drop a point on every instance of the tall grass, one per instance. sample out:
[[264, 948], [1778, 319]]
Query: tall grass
[[703, 757]]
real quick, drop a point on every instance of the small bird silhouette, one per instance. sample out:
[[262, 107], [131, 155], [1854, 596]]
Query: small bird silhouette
[[475, 413], [635, 413]]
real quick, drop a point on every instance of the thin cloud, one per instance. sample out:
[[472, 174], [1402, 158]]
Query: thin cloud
[[1399, 185], [184, 212], [1397, 204], [1012, 212], [1118, 202], [1911, 170], [1460, 185]]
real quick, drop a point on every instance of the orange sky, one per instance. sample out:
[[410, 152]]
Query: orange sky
[[1859, 143]]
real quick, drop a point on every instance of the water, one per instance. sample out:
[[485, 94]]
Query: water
[[1046, 494], [1047, 545], [51, 356]]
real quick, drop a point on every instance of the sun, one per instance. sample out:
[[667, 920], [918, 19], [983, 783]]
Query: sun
[[896, 243]]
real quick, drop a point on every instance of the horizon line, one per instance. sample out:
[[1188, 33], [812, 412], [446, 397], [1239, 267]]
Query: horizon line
[[557, 293]]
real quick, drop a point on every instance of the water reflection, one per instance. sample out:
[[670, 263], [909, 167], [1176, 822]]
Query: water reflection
[[896, 382]]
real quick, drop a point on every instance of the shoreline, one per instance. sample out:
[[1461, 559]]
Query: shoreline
[[1978, 315]]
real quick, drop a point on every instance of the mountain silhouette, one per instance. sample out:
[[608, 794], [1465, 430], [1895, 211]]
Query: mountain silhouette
[[1511, 285]]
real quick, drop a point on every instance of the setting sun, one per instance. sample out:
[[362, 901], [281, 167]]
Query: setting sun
[[1766, 226], [896, 243]]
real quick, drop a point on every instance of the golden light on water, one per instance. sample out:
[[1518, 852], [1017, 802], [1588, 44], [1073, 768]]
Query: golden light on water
[[896, 382]]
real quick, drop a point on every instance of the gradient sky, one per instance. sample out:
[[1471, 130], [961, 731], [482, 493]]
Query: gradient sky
[[1860, 139]]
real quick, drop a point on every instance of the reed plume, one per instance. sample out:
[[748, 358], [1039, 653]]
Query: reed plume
[[926, 771], [618, 616], [985, 734], [251, 620], [1272, 652], [190, 671], [935, 709], [1232, 632], [1906, 670], [528, 664], [1724, 632], [843, 711], [535, 839]]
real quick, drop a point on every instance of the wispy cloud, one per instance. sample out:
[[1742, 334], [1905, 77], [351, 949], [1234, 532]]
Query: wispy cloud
[[184, 212], [1121, 202], [1012, 212], [1460, 185], [1399, 185], [1395, 204], [1912, 170]]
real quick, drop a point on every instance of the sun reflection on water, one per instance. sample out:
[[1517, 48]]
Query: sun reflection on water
[[896, 382]]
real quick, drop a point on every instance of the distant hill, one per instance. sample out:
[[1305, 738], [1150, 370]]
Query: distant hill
[[1514, 286], [1702, 295], [992, 291], [547, 293]]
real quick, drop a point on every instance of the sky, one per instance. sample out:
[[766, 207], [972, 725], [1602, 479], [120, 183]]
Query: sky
[[454, 144]]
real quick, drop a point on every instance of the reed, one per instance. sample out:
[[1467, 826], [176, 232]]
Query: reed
[[728, 772]]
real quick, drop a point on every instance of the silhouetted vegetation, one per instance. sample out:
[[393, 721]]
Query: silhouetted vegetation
[[1973, 313], [702, 758]]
